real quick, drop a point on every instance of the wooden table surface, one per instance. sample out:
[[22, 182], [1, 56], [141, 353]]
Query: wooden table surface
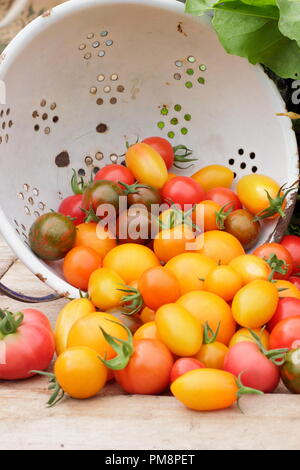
[[115, 421]]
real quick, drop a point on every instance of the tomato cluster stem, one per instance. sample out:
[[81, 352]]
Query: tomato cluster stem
[[124, 349], [57, 391], [276, 356], [9, 322], [243, 390]]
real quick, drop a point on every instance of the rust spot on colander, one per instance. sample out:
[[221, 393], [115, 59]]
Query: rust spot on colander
[[41, 277], [180, 29], [47, 13], [101, 128], [62, 159]]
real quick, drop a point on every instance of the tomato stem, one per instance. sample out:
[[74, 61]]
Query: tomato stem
[[133, 188], [242, 390], [53, 385], [277, 266], [181, 154], [209, 335], [9, 322], [124, 349], [276, 204], [276, 356], [133, 299], [222, 215]]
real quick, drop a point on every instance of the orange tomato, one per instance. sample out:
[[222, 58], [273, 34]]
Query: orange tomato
[[212, 355], [172, 242], [171, 176], [251, 268], [220, 246], [223, 281], [146, 165], [286, 289], [79, 264], [147, 331], [204, 215], [96, 237], [214, 176], [209, 307], [190, 270], [158, 286], [244, 335], [147, 315], [130, 261]]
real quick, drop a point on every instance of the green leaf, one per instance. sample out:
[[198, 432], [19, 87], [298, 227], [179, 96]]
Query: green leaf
[[289, 22], [198, 7], [259, 40], [254, 9]]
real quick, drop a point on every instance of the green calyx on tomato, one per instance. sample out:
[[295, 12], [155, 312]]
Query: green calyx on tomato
[[181, 154], [242, 390], [90, 215], [290, 371], [133, 188], [209, 335], [124, 349], [222, 215], [276, 203], [9, 322], [133, 301], [78, 186], [57, 392], [276, 356], [178, 217], [277, 266]]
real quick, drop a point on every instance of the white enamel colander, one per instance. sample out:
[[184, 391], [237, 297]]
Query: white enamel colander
[[87, 76]]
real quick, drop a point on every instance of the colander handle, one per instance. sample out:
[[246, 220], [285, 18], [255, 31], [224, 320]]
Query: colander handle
[[25, 298]]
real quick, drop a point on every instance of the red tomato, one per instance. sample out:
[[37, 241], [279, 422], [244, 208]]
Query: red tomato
[[71, 207], [292, 244], [163, 147], [295, 280], [182, 190], [224, 196], [257, 370], [285, 333], [148, 371], [183, 365], [25, 345], [115, 173], [287, 307], [268, 249]]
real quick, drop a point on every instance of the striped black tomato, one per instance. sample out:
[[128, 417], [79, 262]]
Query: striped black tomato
[[52, 235], [101, 192]]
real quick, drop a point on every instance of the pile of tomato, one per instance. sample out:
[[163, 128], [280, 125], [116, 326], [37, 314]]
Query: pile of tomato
[[171, 298]]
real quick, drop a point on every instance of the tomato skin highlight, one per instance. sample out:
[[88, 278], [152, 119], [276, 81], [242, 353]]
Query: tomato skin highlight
[[163, 147], [285, 333], [182, 191], [183, 365], [115, 173], [206, 389], [146, 165], [251, 268], [257, 370], [148, 371], [71, 207]]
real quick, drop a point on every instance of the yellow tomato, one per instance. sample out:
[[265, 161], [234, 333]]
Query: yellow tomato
[[287, 289], [147, 315], [220, 246], [253, 192], [104, 285], [255, 304], [87, 332], [212, 355], [244, 335], [223, 281], [146, 165], [71, 312], [179, 330], [190, 269], [130, 261], [206, 389], [146, 331], [172, 242], [80, 373], [251, 268], [214, 176], [209, 307]]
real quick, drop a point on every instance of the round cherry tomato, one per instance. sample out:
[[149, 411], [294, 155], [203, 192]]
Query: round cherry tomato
[[182, 191], [142, 194], [104, 288], [115, 173], [251, 268], [80, 373], [179, 330], [71, 207], [86, 332], [220, 246], [101, 192], [287, 307], [184, 365], [295, 280], [147, 331], [205, 215], [257, 370], [268, 250], [241, 225], [158, 286], [51, 236], [79, 264], [255, 304], [214, 176], [95, 236], [146, 165], [285, 333], [130, 261], [209, 307], [135, 226], [292, 244], [253, 191], [206, 389], [286, 289], [148, 371], [243, 334], [224, 197], [147, 315], [172, 242], [163, 147], [190, 270], [223, 281], [212, 355]]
